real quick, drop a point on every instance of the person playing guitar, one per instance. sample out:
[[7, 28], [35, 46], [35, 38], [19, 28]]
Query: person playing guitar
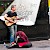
[[11, 20]]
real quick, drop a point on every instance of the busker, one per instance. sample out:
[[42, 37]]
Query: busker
[[10, 21]]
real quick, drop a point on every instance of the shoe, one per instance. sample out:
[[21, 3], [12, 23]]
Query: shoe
[[10, 45]]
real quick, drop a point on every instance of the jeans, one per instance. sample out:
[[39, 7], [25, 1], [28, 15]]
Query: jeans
[[12, 30]]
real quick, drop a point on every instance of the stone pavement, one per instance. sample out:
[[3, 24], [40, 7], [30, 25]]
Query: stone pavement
[[37, 45]]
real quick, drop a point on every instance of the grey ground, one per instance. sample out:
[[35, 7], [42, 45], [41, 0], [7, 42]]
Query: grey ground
[[37, 45]]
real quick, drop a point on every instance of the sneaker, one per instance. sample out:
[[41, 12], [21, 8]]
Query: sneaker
[[10, 45], [13, 43]]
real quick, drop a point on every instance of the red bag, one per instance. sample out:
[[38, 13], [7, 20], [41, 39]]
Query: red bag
[[22, 44], [23, 36]]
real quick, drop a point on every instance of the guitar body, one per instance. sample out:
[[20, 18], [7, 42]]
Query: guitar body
[[8, 23]]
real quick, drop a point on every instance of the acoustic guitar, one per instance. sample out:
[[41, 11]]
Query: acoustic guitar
[[8, 23]]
